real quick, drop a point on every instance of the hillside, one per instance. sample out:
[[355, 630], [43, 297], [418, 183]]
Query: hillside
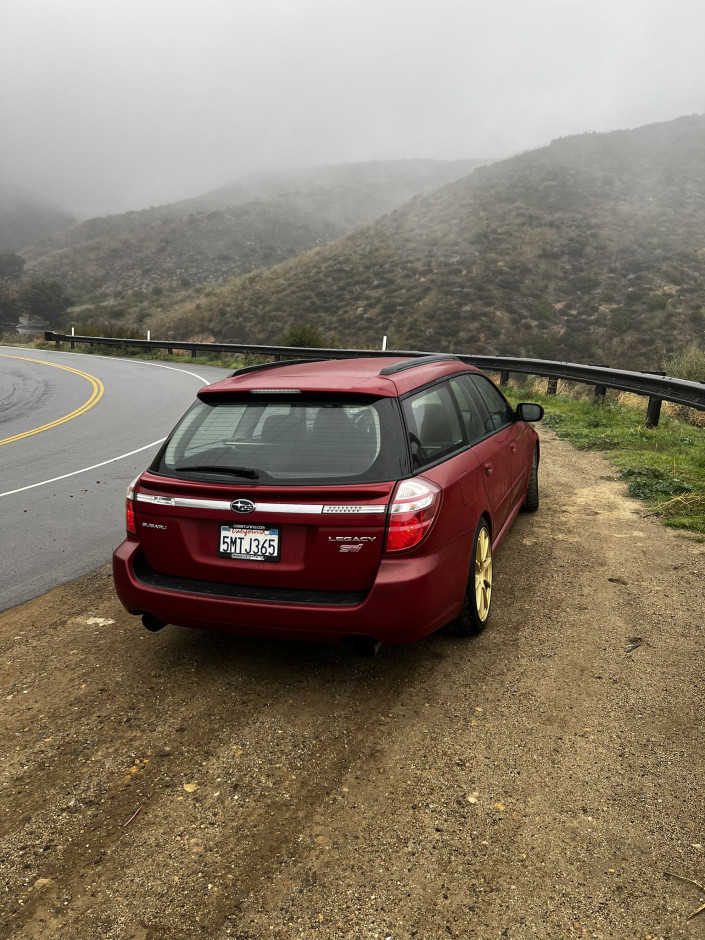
[[591, 249], [257, 222], [26, 217]]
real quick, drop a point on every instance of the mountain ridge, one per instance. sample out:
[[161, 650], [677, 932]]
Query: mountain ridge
[[592, 248], [256, 222]]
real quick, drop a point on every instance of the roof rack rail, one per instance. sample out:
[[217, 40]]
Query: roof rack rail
[[273, 365], [417, 361]]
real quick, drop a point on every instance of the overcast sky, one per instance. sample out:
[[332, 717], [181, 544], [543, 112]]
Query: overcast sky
[[115, 106]]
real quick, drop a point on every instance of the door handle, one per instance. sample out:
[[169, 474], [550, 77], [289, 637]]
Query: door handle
[[513, 447], [488, 468]]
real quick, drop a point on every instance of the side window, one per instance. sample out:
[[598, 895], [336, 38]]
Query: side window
[[434, 427], [472, 408], [501, 413]]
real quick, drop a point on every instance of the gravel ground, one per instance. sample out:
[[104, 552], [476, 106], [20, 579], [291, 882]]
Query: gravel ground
[[537, 781]]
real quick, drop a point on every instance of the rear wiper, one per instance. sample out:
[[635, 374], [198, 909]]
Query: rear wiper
[[231, 471]]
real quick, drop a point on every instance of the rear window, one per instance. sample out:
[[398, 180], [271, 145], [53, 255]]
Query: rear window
[[287, 439]]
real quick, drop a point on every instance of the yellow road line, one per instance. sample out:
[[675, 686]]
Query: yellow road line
[[96, 395]]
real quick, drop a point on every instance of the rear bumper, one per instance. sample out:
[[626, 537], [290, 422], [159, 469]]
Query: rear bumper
[[411, 597]]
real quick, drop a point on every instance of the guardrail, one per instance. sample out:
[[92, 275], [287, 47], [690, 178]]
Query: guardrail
[[656, 386]]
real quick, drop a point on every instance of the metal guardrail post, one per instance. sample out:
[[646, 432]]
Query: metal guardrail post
[[600, 392], [552, 387], [653, 412], [504, 377]]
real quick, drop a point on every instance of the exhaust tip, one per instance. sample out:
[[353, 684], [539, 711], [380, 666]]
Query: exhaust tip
[[365, 646], [152, 623]]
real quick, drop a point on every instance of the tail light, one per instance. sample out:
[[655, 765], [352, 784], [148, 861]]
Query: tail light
[[414, 507], [130, 521]]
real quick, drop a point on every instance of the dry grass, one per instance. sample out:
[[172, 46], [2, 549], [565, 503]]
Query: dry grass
[[685, 503]]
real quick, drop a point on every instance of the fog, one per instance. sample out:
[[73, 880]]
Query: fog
[[109, 107]]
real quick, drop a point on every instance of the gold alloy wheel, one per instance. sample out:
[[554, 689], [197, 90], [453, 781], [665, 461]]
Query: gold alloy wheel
[[483, 574]]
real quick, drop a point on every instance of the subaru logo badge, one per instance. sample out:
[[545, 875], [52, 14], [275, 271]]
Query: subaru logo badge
[[242, 505]]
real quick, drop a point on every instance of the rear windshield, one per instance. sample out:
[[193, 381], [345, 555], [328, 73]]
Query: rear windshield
[[288, 439]]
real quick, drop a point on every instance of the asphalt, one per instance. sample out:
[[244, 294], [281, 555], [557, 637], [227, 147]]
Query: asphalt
[[71, 440]]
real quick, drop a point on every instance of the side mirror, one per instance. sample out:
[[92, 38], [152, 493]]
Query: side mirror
[[529, 412]]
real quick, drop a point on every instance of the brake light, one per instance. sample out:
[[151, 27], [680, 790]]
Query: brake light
[[130, 521], [414, 507]]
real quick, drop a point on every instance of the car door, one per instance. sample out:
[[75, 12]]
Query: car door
[[440, 454], [520, 436], [490, 429], [516, 433]]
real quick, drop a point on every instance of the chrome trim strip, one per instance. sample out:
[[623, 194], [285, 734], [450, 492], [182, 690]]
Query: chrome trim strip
[[223, 505], [306, 508]]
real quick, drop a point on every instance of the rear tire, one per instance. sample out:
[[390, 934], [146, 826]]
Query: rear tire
[[531, 500], [475, 611]]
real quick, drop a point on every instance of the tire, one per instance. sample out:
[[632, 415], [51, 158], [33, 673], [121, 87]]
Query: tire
[[475, 611], [531, 500]]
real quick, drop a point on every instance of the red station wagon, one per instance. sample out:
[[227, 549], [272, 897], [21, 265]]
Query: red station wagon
[[358, 499]]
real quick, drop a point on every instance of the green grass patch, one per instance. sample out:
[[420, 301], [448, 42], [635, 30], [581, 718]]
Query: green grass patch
[[664, 466]]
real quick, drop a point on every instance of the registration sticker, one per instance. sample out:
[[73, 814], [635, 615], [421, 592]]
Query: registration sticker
[[249, 542]]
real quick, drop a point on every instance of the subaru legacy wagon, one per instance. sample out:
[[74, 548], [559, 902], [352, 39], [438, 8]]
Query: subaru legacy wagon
[[357, 499]]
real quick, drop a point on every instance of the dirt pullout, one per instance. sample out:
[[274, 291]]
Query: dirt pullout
[[534, 782]]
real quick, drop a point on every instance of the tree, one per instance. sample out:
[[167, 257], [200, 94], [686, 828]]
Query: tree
[[11, 265], [10, 308], [45, 300]]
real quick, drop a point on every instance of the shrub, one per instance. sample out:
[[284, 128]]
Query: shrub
[[687, 363], [581, 284], [302, 335], [657, 302]]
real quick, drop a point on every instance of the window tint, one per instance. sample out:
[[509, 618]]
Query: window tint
[[433, 425], [293, 441], [500, 413], [472, 408]]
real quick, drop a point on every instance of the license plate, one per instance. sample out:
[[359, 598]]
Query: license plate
[[249, 542]]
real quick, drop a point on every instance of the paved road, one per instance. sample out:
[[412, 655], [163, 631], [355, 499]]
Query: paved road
[[74, 430]]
